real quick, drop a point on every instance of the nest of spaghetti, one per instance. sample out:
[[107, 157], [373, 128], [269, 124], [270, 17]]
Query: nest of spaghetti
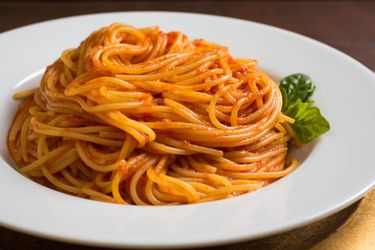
[[139, 116]]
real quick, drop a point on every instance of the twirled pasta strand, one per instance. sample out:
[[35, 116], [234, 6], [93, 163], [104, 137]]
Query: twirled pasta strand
[[139, 116]]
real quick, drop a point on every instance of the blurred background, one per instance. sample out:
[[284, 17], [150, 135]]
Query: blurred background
[[346, 25]]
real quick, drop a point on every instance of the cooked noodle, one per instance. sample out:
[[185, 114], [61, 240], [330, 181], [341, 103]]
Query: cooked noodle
[[138, 116]]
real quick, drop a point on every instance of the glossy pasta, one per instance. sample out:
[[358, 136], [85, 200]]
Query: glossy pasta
[[139, 116]]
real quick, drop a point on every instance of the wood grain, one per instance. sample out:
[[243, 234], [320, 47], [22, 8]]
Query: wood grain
[[346, 25]]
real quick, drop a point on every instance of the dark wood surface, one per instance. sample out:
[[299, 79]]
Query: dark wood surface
[[346, 25]]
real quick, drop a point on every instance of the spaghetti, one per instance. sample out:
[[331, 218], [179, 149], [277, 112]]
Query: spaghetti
[[138, 116]]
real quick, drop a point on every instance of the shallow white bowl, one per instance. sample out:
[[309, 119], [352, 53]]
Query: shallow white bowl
[[336, 171]]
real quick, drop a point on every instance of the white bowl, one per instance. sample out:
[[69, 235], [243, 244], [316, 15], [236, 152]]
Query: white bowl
[[336, 171]]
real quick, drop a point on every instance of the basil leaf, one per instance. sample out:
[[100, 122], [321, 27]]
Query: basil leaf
[[296, 86], [309, 123]]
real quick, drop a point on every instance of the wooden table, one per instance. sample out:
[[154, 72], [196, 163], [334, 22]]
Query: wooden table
[[347, 26]]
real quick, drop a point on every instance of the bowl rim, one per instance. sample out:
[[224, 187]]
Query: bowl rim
[[232, 239]]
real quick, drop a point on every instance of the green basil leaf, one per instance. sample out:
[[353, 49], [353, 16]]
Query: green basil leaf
[[309, 123], [296, 86]]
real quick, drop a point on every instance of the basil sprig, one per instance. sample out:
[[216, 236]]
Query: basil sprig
[[309, 123]]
